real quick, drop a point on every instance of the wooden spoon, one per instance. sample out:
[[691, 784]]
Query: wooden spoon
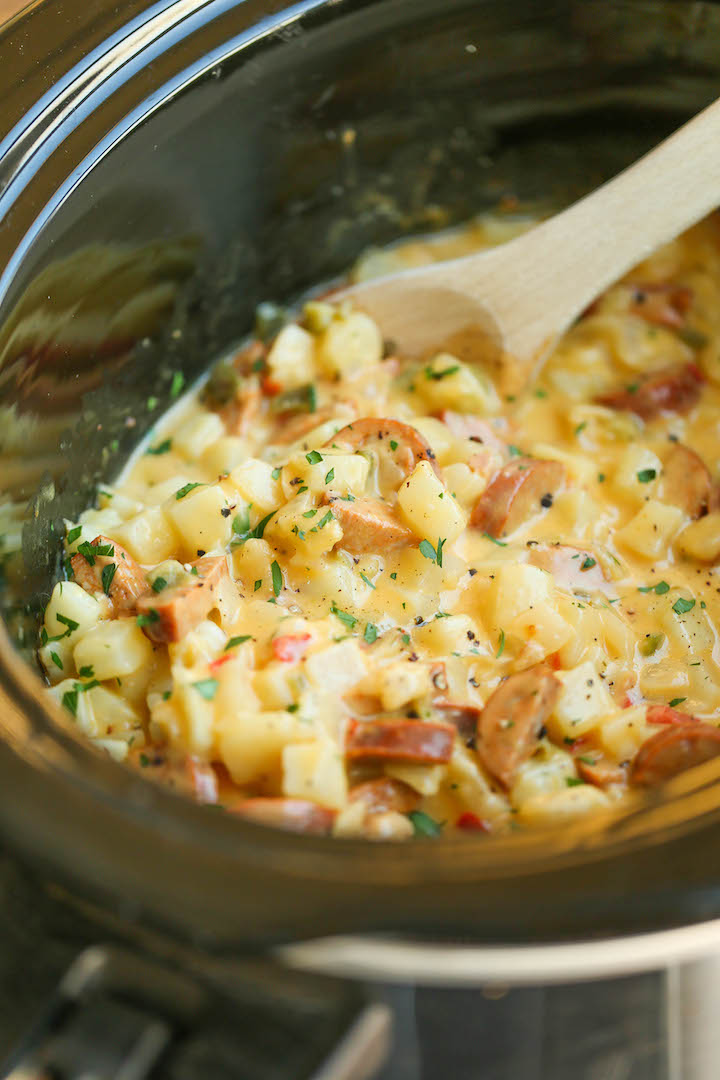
[[514, 301]]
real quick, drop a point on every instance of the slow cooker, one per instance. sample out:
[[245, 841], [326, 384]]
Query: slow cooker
[[164, 168]]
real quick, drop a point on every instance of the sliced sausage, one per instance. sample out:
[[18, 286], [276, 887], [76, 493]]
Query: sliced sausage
[[384, 794], [520, 490], [662, 304], [511, 722], [470, 822], [296, 815], [671, 390], [176, 611], [600, 772], [663, 714], [687, 482], [571, 567], [369, 525], [464, 718], [399, 442], [399, 740], [291, 428], [673, 750], [128, 579]]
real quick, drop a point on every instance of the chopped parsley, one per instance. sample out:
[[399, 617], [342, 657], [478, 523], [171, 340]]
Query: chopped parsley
[[323, 522], [309, 513], [424, 825], [239, 640], [313, 458], [258, 584], [276, 473], [501, 645], [677, 701], [186, 489], [646, 475], [277, 579], [87, 672], [588, 563], [393, 445], [515, 451], [370, 633], [161, 448], [660, 589], [148, 619], [73, 534], [580, 428], [56, 660], [330, 476], [494, 540], [452, 370], [178, 381], [92, 551], [206, 688], [344, 616], [367, 580], [431, 553], [241, 527], [70, 623], [573, 781], [682, 606], [159, 584], [107, 575]]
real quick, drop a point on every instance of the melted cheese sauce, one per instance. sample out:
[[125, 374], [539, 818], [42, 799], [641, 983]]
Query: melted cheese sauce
[[353, 674]]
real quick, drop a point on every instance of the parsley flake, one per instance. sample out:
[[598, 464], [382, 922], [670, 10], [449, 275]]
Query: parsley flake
[[646, 475], [186, 489], [370, 633], [424, 825], [107, 575], [277, 579], [206, 688], [313, 458], [161, 448], [682, 606]]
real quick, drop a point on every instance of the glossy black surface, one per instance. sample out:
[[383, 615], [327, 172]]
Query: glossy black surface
[[214, 155]]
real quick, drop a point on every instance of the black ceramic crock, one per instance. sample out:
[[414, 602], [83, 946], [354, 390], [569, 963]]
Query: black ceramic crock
[[165, 167]]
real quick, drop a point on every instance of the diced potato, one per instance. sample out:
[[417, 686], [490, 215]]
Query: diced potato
[[447, 635], [116, 748], [637, 473], [114, 715], [618, 635], [556, 807], [350, 343], [121, 505], [519, 587], [252, 562], [83, 715], [664, 680], [447, 383], [315, 771], [465, 485], [225, 454], [72, 602], [97, 522], [251, 744], [198, 518], [150, 536], [652, 529], [277, 685], [425, 779], [689, 629], [401, 682], [443, 442], [471, 784], [206, 642], [196, 733], [291, 359], [701, 539], [543, 628], [335, 471], [57, 659], [582, 702], [113, 649], [195, 435], [336, 668], [428, 507], [623, 732], [167, 488], [545, 772], [255, 482]]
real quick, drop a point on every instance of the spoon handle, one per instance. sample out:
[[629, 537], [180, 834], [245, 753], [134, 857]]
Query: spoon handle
[[559, 267]]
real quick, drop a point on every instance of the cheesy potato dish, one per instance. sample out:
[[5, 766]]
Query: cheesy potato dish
[[346, 591]]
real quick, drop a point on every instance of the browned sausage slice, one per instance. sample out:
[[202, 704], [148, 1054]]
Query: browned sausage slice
[[399, 740], [673, 390], [601, 773], [128, 580], [176, 611], [687, 482], [663, 304], [673, 750], [571, 567], [520, 490], [402, 443], [369, 525], [511, 722], [384, 794], [296, 815]]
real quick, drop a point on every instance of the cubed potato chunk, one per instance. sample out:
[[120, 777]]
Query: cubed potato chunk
[[447, 383], [315, 771], [444, 445], [582, 702], [252, 563], [425, 779], [225, 454], [637, 473], [428, 507], [70, 601], [149, 536], [198, 518], [623, 732], [251, 744], [652, 530], [336, 668], [351, 343], [556, 807], [519, 587], [195, 435], [447, 635], [330, 470], [401, 682], [113, 649], [255, 482], [701, 539], [291, 359], [465, 484]]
